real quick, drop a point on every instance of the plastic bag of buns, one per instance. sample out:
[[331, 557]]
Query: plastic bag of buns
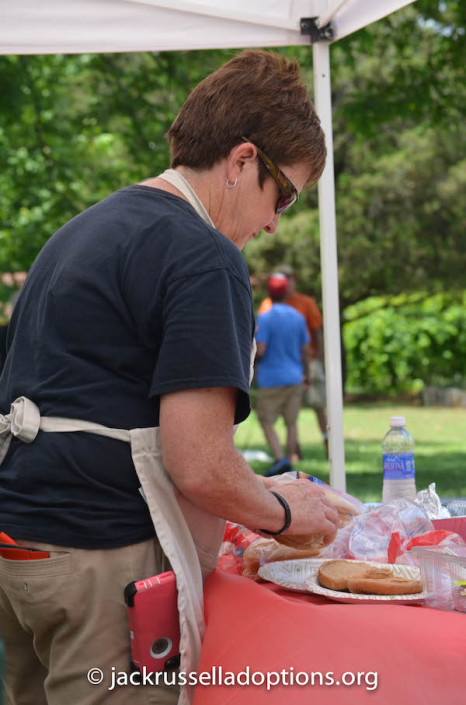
[[244, 551], [268, 550], [236, 541], [347, 506], [287, 547]]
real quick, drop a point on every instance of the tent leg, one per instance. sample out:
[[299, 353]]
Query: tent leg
[[329, 266]]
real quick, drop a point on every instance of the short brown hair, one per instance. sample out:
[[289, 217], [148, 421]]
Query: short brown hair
[[258, 95]]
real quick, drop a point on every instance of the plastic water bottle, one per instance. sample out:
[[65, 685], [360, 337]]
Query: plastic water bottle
[[398, 462]]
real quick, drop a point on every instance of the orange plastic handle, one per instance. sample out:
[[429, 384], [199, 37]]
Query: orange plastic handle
[[19, 553]]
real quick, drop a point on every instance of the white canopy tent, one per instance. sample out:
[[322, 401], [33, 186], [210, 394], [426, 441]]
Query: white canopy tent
[[81, 26]]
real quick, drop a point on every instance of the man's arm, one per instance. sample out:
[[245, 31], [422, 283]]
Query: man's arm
[[199, 453], [318, 340], [314, 324], [260, 352], [305, 357]]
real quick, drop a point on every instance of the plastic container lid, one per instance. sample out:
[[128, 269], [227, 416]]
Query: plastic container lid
[[397, 421]]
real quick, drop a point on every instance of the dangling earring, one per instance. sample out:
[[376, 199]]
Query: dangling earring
[[231, 185]]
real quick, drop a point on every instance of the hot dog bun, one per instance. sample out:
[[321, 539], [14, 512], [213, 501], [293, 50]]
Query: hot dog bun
[[365, 578], [315, 542]]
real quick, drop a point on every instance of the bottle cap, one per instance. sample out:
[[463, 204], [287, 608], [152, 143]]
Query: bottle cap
[[397, 421]]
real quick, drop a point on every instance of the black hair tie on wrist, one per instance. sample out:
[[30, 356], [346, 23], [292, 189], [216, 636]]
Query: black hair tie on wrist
[[287, 523]]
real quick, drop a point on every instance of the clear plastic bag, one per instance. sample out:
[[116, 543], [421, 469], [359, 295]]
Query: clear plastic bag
[[385, 534], [346, 505], [236, 541], [443, 571], [265, 551], [381, 534], [339, 548]]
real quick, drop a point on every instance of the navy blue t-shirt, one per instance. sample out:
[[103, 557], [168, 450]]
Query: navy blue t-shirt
[[133, 298]]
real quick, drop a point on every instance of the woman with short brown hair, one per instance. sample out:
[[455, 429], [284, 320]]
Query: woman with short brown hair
[[133, 334], [258, 95]]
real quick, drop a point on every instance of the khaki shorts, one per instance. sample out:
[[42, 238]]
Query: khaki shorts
[[315, 395], [64, 623], [273, 402]]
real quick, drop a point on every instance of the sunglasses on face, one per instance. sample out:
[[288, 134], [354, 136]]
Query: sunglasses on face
[[289, 194]]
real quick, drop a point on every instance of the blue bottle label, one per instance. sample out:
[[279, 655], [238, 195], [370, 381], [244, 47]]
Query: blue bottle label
[[398, 466], [316, 480]]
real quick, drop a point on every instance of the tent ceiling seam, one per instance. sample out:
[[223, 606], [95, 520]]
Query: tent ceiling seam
[[325, 19], [225, 14]]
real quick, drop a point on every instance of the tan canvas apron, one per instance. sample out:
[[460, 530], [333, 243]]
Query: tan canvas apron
[[189, 536]]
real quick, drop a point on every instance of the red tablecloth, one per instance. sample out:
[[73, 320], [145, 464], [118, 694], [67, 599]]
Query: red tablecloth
[[419, 654]]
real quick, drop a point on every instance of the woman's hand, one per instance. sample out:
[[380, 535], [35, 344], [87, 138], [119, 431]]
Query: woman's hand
[[312, 512]]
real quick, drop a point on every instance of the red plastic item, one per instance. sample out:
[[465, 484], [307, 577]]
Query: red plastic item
[[397, 545], [236, 540], [417, 652], [455, 524], [433, 538], [154, 622], [20, 553]]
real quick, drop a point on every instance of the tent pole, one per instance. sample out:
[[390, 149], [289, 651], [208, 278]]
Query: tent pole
[[329, 267]]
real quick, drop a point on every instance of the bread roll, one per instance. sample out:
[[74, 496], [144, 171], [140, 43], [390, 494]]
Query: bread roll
[[304, 542], [365, 578], [384, 586], [315, 542], [341, 504], [335, 574], [268, 550]]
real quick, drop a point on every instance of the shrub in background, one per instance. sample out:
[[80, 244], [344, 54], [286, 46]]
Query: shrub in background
[[401, 344]]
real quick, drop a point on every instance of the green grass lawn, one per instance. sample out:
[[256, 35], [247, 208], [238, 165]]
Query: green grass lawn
[[439, 434]]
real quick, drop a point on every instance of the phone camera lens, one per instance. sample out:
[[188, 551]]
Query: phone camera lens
[[161, 647]]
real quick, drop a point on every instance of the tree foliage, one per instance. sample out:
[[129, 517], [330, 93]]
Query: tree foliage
[[402, 344], [398, 99], [75, 128]]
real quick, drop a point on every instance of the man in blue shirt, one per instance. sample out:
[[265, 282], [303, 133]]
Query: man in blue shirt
[[283, 354]]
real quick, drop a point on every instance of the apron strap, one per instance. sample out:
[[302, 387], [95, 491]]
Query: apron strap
[[57, 424], [24, 422], [178, 181]]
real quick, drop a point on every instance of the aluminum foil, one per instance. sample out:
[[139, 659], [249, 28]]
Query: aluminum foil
[[430, 502]]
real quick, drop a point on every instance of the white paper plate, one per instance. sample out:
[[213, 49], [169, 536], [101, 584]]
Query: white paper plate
[[301, 575], [291, 574]]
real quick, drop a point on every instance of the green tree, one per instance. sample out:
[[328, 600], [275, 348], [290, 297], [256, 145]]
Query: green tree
[[75, 128], [398, 97], [402, 343]]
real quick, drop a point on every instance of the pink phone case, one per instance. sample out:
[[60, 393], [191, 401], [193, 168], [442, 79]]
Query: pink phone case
[[154, 623]]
